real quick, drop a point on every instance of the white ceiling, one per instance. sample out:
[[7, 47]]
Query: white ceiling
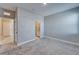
[[39, 8]]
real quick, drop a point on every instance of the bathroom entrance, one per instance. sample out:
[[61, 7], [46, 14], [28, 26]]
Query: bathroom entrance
[[6, 30], [37, 29]]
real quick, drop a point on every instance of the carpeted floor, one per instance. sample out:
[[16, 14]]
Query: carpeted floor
[[44, 47]]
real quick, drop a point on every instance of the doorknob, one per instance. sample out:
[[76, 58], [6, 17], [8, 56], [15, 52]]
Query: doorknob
[[16, 32]]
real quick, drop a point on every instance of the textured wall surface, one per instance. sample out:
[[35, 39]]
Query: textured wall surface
[[26, 25], [63, 24]]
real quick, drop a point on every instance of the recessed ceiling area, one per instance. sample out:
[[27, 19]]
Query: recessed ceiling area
[[40, 8]]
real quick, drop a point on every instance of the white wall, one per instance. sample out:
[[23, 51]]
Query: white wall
[[63, 23], [26, 26]]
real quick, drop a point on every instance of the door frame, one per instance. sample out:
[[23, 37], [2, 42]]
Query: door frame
[[13, 27], [37, 29]]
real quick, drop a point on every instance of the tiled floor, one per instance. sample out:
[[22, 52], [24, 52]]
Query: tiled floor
[[6, 39], [6, 44], [7, 47], [45, 47]]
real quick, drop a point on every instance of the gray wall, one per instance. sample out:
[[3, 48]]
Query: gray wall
[[62, 24], [26, 26]]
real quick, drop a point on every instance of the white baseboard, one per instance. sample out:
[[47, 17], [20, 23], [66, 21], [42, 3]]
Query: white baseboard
[[25, 42], [73, 43]]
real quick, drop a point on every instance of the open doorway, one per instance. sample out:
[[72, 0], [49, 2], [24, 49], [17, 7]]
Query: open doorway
[[37, 29], [6, 31]]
